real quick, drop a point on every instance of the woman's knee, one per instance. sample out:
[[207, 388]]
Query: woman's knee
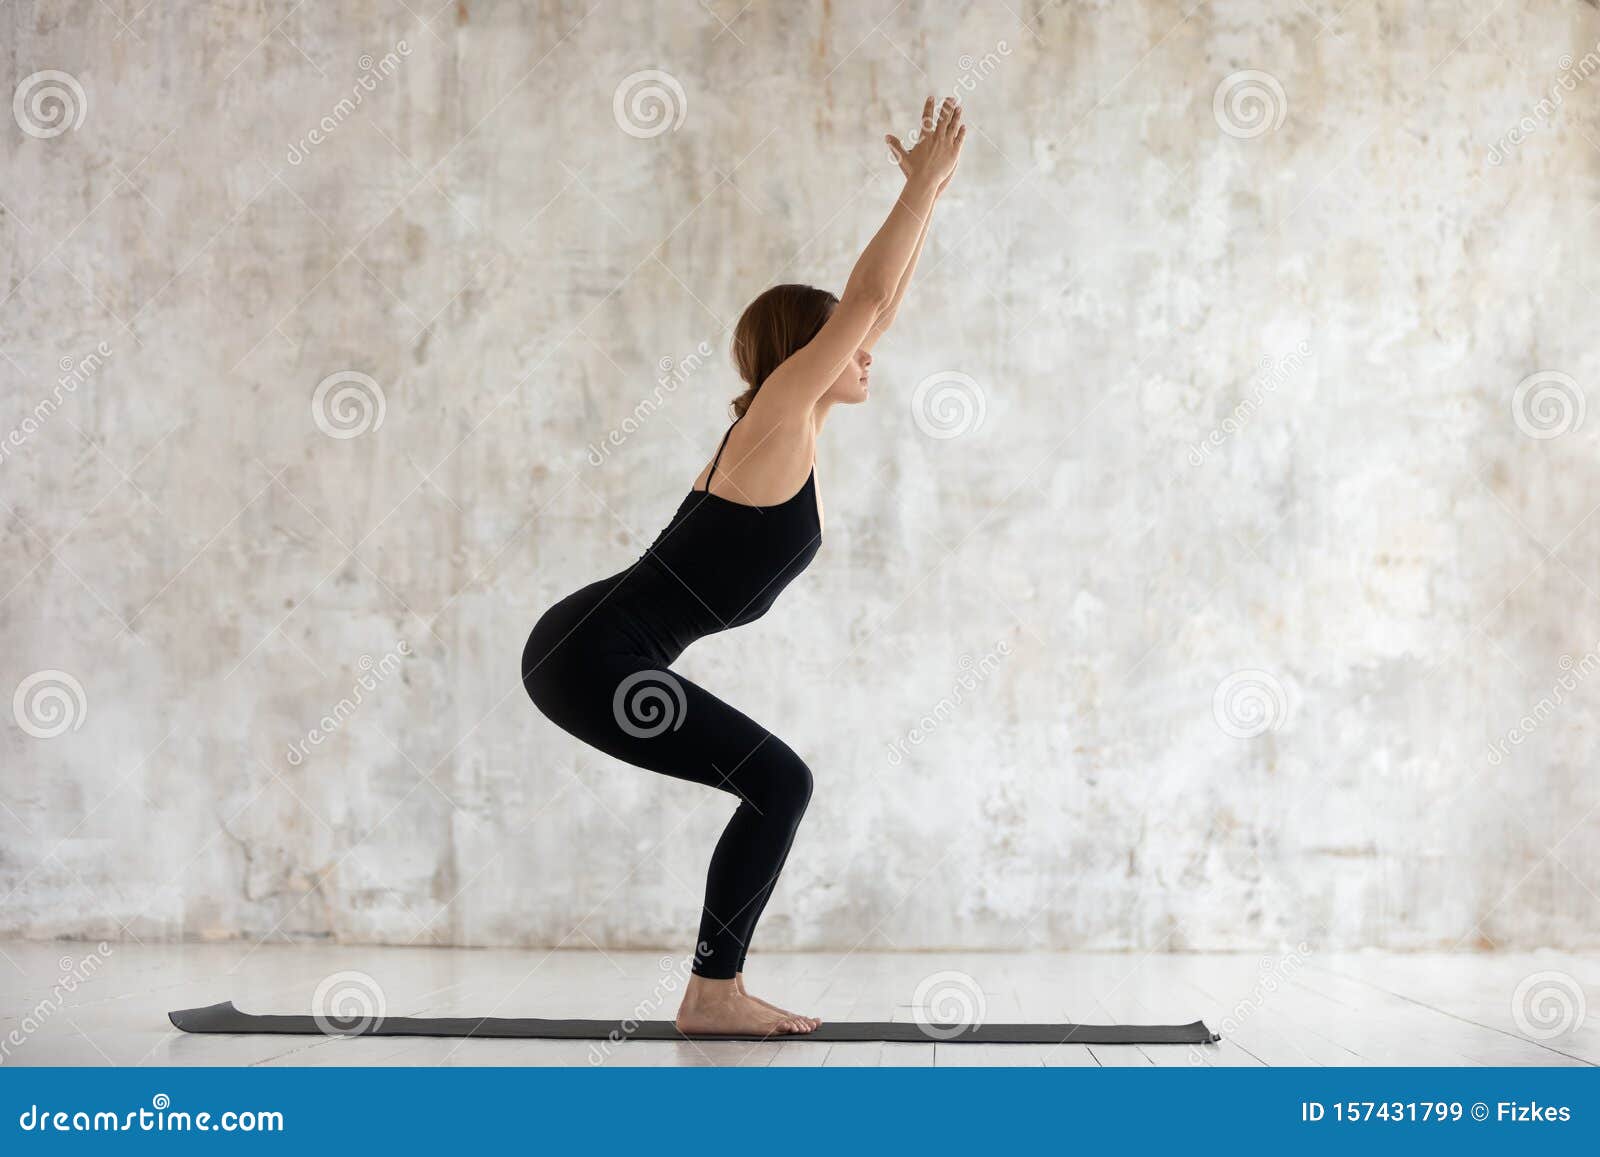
[[787, 782]]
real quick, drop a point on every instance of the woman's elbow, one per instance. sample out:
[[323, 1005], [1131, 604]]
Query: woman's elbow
[[865, 292]]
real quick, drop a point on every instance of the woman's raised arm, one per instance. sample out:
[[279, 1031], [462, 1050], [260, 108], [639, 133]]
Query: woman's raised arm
[[878, 280], [902, 158]]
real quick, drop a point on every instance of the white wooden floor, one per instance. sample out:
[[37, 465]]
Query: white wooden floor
[[1357, 1009]]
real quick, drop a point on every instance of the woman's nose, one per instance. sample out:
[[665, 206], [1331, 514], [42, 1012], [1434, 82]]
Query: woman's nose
[[866, 358]]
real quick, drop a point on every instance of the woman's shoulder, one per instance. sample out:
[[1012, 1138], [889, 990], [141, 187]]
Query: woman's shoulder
[[775, 418]]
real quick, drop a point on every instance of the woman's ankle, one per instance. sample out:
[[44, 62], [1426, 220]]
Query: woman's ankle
[[710, 988]]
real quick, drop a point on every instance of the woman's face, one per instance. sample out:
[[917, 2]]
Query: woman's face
[[850, 387]]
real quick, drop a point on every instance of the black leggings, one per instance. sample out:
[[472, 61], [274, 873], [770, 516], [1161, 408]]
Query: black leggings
[[593, 676]]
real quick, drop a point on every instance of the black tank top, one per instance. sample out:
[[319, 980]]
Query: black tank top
[[719, 564]]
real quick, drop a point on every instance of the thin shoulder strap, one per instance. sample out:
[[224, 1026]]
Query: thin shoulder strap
[[723, 446]]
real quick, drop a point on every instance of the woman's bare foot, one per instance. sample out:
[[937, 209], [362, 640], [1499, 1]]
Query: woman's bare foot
[[813, 1021], [717, 1007]]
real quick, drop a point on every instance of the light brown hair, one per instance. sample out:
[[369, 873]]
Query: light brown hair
[[772, 327]]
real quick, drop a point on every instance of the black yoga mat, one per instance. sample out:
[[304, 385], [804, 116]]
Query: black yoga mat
[[224, 1018]]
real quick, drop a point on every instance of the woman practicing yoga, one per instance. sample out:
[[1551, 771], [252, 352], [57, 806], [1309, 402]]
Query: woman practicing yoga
[[596, 662]]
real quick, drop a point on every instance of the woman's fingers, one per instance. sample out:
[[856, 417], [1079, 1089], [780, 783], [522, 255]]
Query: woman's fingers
[[940, 130]]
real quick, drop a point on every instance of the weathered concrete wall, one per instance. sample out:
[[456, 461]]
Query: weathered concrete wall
[[1227, 315]]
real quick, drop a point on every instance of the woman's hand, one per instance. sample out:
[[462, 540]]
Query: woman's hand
[[933, 158]]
